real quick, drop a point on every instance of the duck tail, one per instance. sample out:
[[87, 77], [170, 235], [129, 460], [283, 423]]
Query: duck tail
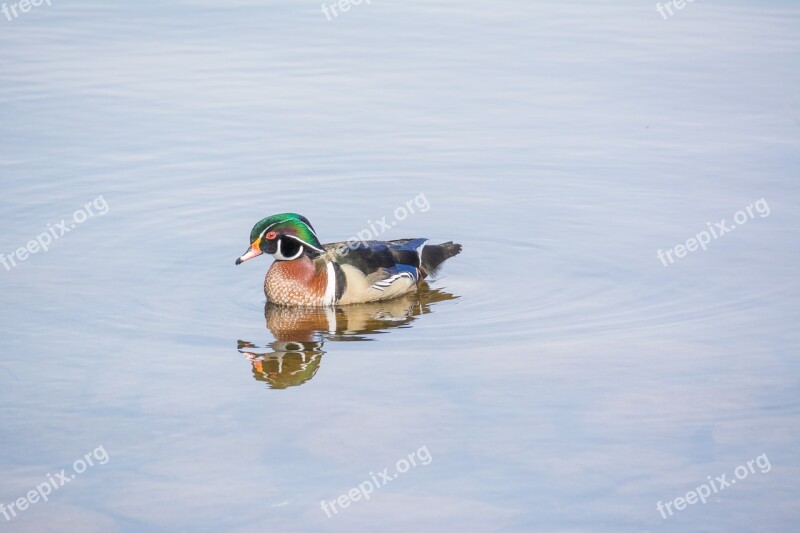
[[433, 255]]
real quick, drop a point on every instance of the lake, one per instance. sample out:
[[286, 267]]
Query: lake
[[619, 332]]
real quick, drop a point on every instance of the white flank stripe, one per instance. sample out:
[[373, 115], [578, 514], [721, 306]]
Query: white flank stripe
[[330, 288]]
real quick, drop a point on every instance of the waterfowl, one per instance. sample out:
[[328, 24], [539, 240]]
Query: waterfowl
[[310, 274]]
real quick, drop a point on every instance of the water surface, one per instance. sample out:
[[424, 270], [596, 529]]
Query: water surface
[[560, 376]]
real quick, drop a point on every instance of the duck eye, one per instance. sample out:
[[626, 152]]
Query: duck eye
[[271, 235]]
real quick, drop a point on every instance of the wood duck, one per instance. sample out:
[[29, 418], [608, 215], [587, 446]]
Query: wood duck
[[310, 274]]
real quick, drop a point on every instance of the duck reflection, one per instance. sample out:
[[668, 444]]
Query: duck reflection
[[301, 332]]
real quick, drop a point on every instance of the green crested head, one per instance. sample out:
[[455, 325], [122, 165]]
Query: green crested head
[[285, 236]]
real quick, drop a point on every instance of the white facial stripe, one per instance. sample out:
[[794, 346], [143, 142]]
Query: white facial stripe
[[304, 243], [314, 233], [273, 224], [292, 236], [279, 253], [311, 230]]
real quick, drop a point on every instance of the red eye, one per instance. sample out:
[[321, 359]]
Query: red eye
[[271, 235]]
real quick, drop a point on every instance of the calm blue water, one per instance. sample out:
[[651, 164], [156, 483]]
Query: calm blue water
[[555, 377]]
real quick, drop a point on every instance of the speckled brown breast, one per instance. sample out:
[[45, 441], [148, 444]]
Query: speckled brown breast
[[298, 282]]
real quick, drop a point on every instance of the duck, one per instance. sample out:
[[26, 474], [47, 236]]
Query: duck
[[307, 273]]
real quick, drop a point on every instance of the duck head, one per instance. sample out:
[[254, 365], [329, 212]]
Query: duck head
[[285, 236]]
